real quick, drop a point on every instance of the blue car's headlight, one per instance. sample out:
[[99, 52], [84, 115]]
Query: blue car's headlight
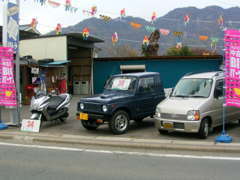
[[81, 106], [104, 108]]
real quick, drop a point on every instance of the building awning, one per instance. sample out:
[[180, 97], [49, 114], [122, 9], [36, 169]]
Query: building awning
[[55, 64]]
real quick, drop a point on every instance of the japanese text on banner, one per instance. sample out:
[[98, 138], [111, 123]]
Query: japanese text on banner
[[232, 67]]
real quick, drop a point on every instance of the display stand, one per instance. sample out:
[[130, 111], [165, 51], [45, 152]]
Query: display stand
[[2, 125]]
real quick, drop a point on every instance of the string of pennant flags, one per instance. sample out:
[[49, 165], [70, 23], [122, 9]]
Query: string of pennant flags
[[93, 11], [115, 37], [149, 29], [163, 32]]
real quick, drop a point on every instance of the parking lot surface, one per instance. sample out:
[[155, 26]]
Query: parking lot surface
[[145, 130]]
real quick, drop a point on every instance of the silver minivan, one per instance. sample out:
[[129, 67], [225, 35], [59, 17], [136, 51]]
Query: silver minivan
[[195, 105]]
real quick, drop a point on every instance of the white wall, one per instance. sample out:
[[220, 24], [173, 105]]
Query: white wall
[[45, 48]]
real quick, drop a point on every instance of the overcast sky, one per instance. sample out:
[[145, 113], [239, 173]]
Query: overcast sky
[[48, 16]]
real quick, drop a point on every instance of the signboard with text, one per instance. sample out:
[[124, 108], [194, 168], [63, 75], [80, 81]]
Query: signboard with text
[[121, 84], [29, 125], [232, 67], [7, 84]]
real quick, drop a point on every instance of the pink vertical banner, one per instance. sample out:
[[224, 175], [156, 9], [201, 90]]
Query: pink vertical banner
[[232, 67], [7, 84]]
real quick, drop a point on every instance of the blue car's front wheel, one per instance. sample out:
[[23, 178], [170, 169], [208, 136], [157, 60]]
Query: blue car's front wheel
[[119, 123], [89, 125]]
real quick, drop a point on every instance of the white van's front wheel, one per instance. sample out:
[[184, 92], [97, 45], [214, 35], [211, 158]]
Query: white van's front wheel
[[204, 129]]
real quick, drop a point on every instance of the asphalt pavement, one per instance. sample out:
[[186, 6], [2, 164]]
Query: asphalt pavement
[[38, 162]]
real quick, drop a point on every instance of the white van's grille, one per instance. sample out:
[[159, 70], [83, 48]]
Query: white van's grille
[[174, 116]]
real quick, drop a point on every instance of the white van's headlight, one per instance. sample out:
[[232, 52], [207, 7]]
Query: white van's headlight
[[81, 106], [157, 113], [104, 108], [193, 115]]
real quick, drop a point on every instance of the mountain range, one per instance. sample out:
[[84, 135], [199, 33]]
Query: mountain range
[[203, 22]]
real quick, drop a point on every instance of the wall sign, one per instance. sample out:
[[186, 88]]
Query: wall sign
[[29, 125], [121, 84]]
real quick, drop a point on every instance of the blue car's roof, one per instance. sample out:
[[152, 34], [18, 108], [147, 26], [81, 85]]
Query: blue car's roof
[[140, 74]]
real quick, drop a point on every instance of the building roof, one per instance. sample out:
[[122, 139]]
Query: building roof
[[27, 27], [78, 36], [23, 34], [56, 63]]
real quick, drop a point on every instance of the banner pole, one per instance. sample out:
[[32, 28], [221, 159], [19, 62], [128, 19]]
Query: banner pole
[[4, 41], [224, 137], [18, 95], [224, 103], [11, 39]]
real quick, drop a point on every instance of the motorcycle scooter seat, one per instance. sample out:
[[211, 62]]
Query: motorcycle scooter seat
[[55, 101]]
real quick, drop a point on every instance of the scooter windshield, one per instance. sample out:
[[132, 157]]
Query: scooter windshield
[[40, 94]]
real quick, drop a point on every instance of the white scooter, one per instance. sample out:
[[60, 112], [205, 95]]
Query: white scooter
[[50, 107]]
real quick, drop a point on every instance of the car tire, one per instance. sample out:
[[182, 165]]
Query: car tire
[[161, 131], [119, 123], [204, 129], [89, 125]]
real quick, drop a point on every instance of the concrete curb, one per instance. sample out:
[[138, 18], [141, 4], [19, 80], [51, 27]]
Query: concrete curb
[[123, 142]]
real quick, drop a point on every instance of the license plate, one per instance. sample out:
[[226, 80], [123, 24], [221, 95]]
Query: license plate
[[83, 116], [167, 125]]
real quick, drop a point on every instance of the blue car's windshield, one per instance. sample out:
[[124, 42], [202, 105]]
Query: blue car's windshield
[[193, 87], [122, 83]]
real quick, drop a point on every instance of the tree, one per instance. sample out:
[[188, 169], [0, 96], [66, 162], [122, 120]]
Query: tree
[[122, 51], [203, 51], [184, 51], [152, 48]]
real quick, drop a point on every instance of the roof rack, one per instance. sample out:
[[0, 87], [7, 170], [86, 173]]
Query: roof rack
[[191, 73], [218, 73]]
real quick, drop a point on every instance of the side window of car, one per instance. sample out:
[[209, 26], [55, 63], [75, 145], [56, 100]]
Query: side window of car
[[146, 85], [219, 88]]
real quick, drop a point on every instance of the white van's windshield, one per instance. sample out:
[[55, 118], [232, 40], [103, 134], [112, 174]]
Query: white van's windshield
[[193, 87]]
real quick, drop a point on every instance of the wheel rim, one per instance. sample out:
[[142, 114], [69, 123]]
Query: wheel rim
[[121, 122], [206, 129]]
